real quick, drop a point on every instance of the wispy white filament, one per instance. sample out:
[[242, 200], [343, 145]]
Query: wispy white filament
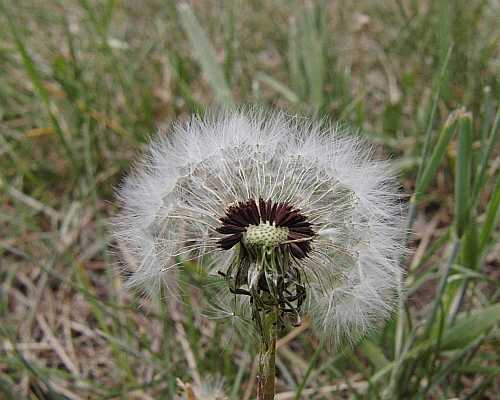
[[173, 199], [211, 388]]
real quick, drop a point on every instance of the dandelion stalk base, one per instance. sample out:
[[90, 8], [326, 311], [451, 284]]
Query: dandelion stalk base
[[267, 356]]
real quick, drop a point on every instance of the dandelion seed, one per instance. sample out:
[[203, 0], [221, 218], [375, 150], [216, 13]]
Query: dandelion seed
[[211, 388], [293, 214]]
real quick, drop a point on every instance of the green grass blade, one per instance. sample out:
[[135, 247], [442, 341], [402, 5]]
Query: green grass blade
[[239, 376], [7, 390], [309, 370], [486, 154], [452, 365], [469, 326], [488, 114], [431, 168], [374, 354], [430, 120], [37, 81], [313, 57], [463, 174], [491, 216], [441, 287], [295, 62], [279, 87], [470, 246], [205, 54]]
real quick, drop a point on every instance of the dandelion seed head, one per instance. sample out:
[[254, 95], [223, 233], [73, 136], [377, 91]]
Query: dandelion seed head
[[288, 207]]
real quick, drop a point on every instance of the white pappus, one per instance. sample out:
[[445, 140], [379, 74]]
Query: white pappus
[[289, 211]]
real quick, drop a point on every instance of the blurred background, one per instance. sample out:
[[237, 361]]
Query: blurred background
[[83, 85]]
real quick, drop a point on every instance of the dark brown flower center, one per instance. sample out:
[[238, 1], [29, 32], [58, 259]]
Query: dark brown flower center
[[265, 222]]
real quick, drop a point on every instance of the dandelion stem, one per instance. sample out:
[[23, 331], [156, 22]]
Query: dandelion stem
[[267, 356]]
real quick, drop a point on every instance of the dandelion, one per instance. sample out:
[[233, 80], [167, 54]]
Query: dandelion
[[293, 215]]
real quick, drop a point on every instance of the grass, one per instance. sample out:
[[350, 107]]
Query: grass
[[84, 83]]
